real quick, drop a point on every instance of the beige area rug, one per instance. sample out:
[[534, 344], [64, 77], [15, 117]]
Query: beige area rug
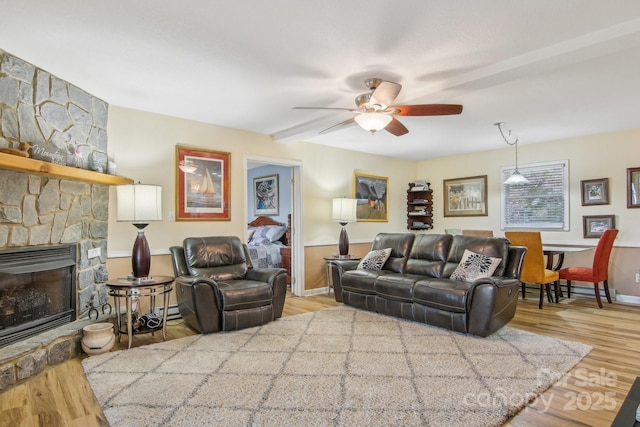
[[335, 367]]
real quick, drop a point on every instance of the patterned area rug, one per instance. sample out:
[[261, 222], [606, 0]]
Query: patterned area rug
[[334, 367]]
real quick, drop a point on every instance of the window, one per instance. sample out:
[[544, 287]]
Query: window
[[543, 203]]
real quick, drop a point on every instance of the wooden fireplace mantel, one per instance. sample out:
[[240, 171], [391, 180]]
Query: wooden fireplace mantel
[[28, 165]]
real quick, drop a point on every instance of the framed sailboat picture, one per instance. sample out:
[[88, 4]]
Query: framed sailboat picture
[[202, 184]]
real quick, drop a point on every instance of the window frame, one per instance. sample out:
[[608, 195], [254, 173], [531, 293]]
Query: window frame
[[527, 170]]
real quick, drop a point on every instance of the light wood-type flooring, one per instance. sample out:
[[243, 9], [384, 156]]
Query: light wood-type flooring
[[590, 395]]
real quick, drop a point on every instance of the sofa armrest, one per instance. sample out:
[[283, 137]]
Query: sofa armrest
[[515, 259], [277, 279], [336, 269], [199, 303]]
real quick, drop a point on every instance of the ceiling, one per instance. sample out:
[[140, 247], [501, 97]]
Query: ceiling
[[549, 69]]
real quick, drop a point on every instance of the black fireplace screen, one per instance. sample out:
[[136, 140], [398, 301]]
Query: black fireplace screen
[[37, 290]]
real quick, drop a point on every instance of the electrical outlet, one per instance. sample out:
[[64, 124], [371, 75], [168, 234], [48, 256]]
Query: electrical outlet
[[93, 253]]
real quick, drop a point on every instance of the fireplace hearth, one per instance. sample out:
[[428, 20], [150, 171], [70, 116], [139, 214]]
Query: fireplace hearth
[[37, 290]]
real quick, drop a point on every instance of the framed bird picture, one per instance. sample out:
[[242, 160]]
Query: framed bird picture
[[371, 193]]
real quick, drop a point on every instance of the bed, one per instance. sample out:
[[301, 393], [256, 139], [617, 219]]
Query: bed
[[265, 239]]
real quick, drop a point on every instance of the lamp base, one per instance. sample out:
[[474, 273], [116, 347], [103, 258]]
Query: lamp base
[[141, 255], [343, 242]]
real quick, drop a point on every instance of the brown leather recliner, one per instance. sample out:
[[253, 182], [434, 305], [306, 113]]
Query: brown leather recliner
[[218, 289]]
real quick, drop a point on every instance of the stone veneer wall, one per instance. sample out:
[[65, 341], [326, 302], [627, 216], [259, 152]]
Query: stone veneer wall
[[62, 123], [39, 211], [65, 125]]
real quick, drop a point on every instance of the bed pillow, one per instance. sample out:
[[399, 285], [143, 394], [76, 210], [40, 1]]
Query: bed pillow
[[474, 266], [267, 234], [250, 234], [375, 260]]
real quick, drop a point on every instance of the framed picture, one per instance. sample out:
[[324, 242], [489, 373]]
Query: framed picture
[[265, 195], [465, 196], [202, 184], [593, 226], [633, 186], [595, 191], [372, 196]]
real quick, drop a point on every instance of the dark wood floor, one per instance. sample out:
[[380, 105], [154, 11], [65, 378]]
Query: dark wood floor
[[590, 396]]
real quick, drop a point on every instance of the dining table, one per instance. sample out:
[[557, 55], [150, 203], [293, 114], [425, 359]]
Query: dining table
[[555, 259]]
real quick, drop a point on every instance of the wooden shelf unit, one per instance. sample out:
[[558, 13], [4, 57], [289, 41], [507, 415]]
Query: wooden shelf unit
[[419, 208], [29, 165]]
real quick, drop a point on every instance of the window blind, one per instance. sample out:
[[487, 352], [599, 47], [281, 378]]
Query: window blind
[[543, 203]]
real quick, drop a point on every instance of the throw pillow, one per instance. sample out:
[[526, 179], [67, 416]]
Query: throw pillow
[[473, 266], [375, 260], [267, 234]]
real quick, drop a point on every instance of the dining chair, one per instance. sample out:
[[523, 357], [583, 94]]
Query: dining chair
[[479, 233], [533, 266], [597, 273]]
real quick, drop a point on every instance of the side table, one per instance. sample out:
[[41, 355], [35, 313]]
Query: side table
[[328, 260], [131, 289]]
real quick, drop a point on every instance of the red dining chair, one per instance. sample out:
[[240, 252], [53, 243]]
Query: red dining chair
[[600, 270]]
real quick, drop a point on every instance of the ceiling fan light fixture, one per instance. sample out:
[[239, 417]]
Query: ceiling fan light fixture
[[373, 122]]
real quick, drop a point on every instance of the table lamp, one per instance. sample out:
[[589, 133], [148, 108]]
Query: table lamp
[[139, 204], [344, 211]]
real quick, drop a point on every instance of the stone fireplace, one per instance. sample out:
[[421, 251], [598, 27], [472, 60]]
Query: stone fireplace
[[50, 130]]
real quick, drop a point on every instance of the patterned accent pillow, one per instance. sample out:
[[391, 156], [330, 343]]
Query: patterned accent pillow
[[375, 260], [474, 266], [267, 234]]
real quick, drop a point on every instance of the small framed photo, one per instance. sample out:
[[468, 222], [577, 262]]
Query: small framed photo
[[633, 186], [595, 191], [594, 225], [202, 184], [465, 196], [265, 195]]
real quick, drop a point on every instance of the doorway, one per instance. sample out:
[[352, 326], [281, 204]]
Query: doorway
[[289, 174]]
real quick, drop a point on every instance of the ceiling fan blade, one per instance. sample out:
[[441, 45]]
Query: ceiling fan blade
[[385, 94], [324, 108], [339, 126], [396, 128], [427, 110]]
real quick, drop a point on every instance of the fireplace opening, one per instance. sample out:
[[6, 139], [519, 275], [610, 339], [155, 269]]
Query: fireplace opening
[[37, 291]]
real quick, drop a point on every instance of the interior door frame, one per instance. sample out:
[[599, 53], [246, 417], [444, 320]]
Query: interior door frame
[[297, 251]]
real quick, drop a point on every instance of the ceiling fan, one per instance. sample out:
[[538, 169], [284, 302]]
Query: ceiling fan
[[375, 112]]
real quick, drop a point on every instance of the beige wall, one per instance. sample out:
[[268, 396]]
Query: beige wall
[[143, 145], [590, 157]]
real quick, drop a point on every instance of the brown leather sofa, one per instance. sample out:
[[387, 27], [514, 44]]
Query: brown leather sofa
[[218, 289], [415, 282]]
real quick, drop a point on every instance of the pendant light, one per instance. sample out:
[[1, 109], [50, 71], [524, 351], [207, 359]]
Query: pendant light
[[516, 177]]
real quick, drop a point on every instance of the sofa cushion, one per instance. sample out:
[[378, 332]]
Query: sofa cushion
[[396, 286], [429, 254], [400, 244], [474, 266], [375, 260], [443, 294], [244, 294], [361, 281]]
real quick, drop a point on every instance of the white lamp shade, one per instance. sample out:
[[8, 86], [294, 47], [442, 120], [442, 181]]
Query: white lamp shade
[[344, 210], [139, 203], [516, 178], [373, 121]]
